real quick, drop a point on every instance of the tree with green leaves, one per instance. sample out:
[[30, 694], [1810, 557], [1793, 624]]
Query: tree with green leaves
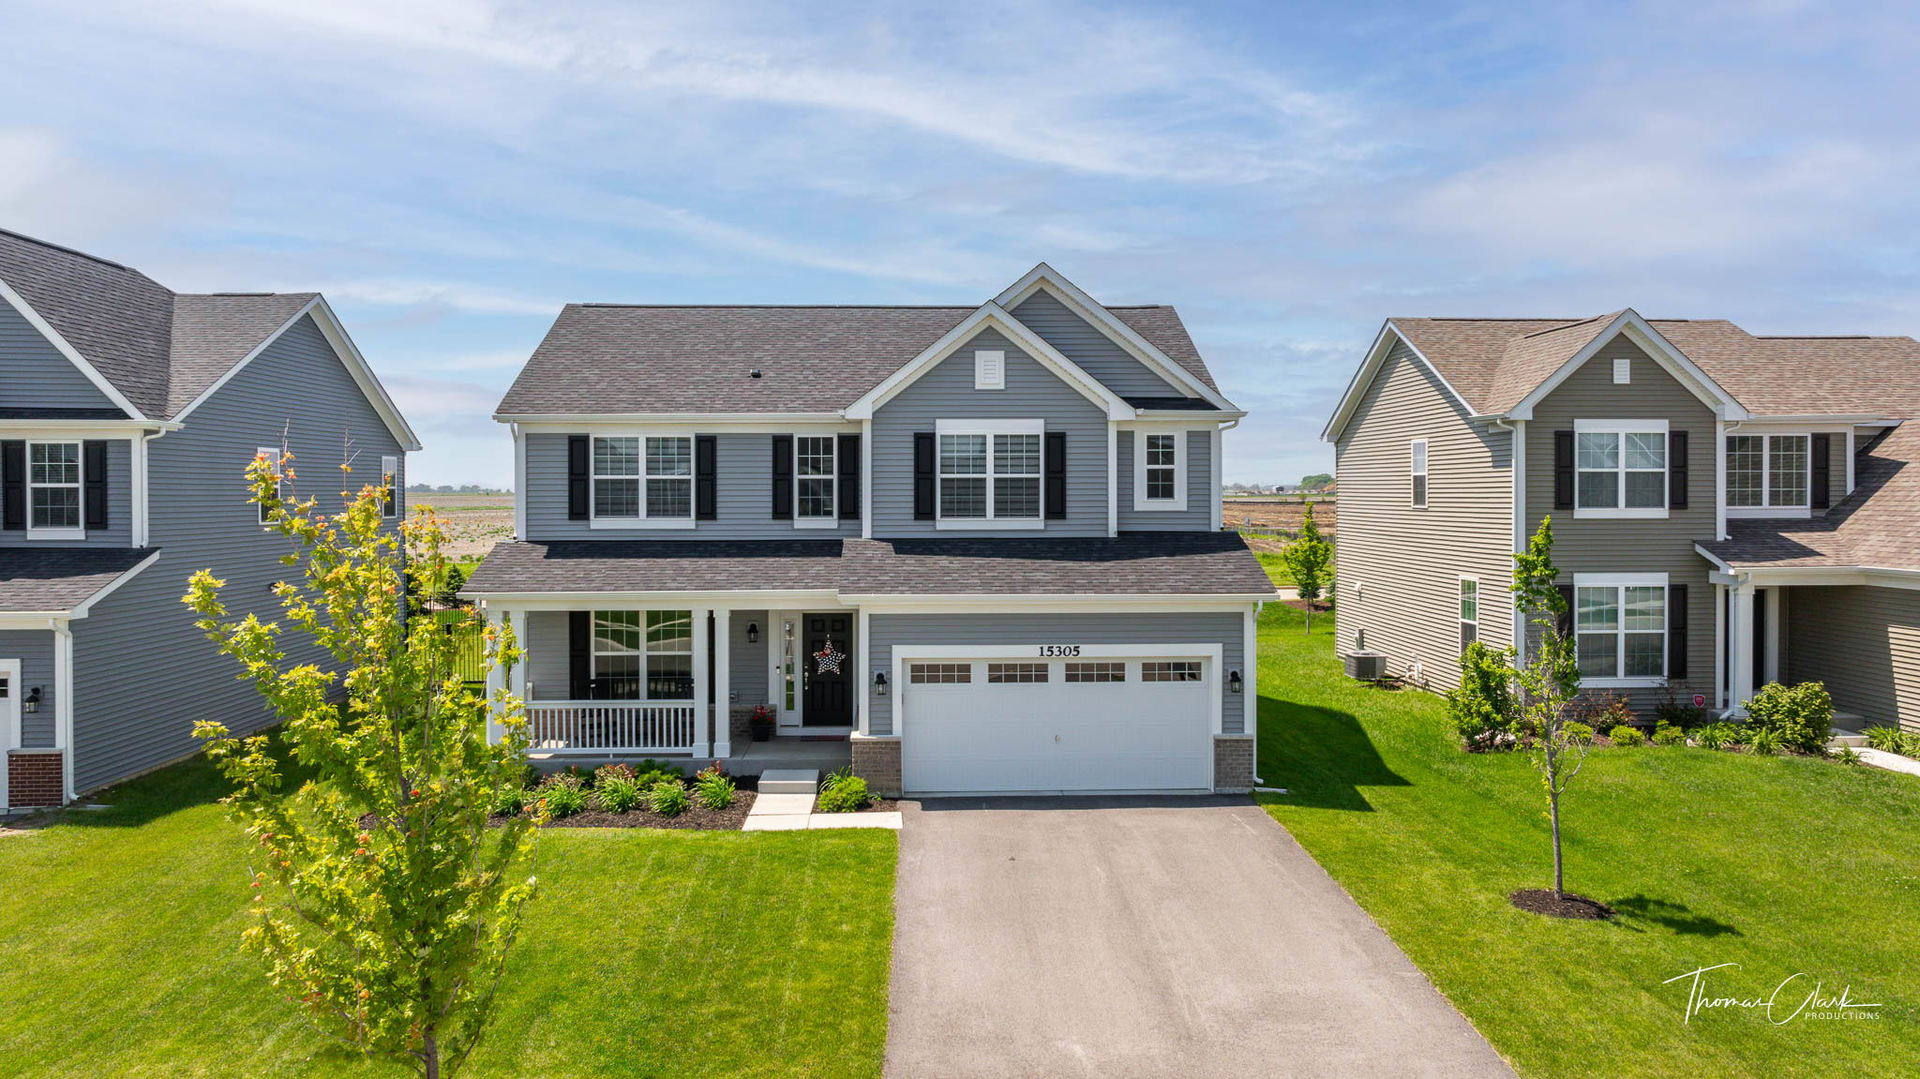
[[1308, 559], [383, 901], [1547, 683], [1316, 482]]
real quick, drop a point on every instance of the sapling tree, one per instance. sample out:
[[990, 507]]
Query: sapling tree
[[1548, 682], [1307, 559], [383, 902]]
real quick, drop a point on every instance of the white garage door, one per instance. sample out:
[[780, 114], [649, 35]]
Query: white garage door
[[1098, 724]]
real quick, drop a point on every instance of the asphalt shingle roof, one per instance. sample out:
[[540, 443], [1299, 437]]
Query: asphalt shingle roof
[[1877, 526], [34, 579], [658, 566], [599, 359]]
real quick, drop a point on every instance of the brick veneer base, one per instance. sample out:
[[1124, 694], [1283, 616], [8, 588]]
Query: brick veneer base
[[1232, 763], [740, 728], [877, 760], [33, 779]]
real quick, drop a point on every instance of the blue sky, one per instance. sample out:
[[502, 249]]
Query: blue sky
[[450, 172]]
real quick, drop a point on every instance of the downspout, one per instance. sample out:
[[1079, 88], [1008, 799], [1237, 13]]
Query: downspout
[[63, 703]]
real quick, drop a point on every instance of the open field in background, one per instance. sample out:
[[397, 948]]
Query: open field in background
[[474, 522], [1269, 522]]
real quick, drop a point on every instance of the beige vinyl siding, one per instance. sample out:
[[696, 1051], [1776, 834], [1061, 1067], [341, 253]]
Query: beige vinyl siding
[[1864, 643], [1398, 567], [1634, 545]]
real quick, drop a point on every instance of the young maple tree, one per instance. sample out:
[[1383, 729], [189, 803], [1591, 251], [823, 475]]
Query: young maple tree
[[383, 901], [1307, 558], [1548, 683]]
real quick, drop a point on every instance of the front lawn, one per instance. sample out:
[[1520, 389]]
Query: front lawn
[[1276, 567], [647, 952], [1781, 865]]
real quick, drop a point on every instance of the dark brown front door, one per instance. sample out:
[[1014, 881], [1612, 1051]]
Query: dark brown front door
[[828, 662]]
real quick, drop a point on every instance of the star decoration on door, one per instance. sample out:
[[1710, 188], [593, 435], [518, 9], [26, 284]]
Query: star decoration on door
[[828, 659]]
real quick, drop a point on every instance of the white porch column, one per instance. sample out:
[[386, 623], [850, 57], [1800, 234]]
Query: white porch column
[[1741, 653], [496, 680], [517, 678], [723, 682], [701, 682], [862, 673]]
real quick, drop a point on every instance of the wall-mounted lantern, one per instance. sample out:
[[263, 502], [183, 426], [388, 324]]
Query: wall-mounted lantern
[[753, 633], [1234, 684], [32, 703], [880, 683]]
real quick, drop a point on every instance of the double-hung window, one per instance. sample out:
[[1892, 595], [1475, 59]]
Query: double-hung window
[[1417, 466], [1469, 611], [1767, 472], [643, 655], [816, 504], [643, 478], [53, 490], [1160, 472], [1620, 627], [389, 481], [990, 473], [272, 457], [1620, 468]]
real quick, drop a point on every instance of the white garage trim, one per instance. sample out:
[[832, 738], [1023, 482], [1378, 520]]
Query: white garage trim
[[1210, 674]]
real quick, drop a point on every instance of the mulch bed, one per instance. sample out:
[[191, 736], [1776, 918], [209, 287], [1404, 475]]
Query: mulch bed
[[1541, 901], [698, 817], [880, 805]]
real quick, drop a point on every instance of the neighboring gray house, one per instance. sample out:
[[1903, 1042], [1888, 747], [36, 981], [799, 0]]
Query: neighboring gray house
[[1728, 509], [128, 414], [977, 547]]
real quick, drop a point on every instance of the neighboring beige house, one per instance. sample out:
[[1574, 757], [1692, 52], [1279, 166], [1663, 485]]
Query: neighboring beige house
[[1728, 509]]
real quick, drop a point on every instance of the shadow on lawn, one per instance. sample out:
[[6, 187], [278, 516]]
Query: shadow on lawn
[[1677, 917], [192, 782], [1322, 756]]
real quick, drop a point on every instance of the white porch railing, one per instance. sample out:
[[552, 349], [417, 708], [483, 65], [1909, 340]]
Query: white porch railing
[[612, 726]]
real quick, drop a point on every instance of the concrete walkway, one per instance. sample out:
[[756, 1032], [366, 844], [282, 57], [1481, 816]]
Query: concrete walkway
[[785, 804], [1892, 762], [1146, 937]]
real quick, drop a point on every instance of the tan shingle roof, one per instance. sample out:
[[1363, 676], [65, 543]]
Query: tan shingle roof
[[1878, 525]]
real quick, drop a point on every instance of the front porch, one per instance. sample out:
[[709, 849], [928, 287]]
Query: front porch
[[1860, 641]]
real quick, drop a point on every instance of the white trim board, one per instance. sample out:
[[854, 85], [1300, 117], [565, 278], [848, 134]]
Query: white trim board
[[1213, 675], [1369, 368]]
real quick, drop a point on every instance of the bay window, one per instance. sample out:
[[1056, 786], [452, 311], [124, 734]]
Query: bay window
[[989, 473], [1620, 627], [53, 488], [1620, 468], [643, 655], [1767, 471], [643, 478]]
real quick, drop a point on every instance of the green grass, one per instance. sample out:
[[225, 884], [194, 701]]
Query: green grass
[[1276, 568], [1782, 865], [646, 953]]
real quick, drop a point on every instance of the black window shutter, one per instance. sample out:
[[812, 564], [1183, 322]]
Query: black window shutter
[[1676, 631], [848, 459], [93, 468], [1566, 609], [1822, 486], [1054, 460], [783, 477], [1676, 470], [579, 460], [706, 493], [1563, 470], [923, 477], [13, 484], [580, 655]]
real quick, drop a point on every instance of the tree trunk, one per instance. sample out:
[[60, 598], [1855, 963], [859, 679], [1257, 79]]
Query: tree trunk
[[1553, 810], [430, 1054]]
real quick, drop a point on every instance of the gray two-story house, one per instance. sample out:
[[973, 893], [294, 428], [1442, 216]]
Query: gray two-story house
[[128, 415], [964, 548], [1728, 509]]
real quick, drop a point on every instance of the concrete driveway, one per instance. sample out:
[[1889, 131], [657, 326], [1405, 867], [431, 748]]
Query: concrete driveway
[[1146, 937]]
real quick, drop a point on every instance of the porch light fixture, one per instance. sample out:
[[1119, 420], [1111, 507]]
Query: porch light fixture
[[753, 633], [1234, 684], [32, 703], [880, 683]]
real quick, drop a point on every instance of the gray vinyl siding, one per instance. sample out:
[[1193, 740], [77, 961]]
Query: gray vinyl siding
[[743, 488], [1225, 628], [143, 672], [1089, 347], [34, 649], [1633, 545], [38, 376], [1864, 643], [747, 673], [1197, 517], [119, 530], [946, 392], [547, 651], [1398, 567]]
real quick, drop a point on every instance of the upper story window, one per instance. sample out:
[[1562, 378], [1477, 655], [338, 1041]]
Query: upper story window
[[643, 478], [1767, 471], [271, 456], [389, 479], [1417, 465], [989, 472], [1620, 627], [1620, 468], [53, 490], [815, 494], [642, 655]]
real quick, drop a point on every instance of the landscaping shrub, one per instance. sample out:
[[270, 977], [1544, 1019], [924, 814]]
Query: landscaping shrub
[[1482, 709], [563, 799], [508, 802], [1676, 707], [1604, 711], [649, 773], [1890, 739], [616, 792], [1666, 734], [1578, 732], [1798, 717], [844, 792], [1717, 736], [572, 779], [1763, 742], [713, 789], [669, 797], [1845, 755], [1623, 735], [612, 771]]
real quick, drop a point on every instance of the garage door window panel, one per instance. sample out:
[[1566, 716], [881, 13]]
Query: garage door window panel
[[1170, 671], [1016, 673], [940, 674], [1097, 672]]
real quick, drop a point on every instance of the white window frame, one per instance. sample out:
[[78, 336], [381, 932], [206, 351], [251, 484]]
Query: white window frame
[[988, 428], [1181, 436], [1623, 428], [1767, 507], [990, 369], [390, 475], [642, 519], [832, 519], [79, 486], [1419, 458], [1461, 605], [1623, 370], [1620, 582], [272, 456], [646, 650]]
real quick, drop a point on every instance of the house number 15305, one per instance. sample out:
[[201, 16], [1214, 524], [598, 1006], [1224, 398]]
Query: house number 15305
[[1056, 651]]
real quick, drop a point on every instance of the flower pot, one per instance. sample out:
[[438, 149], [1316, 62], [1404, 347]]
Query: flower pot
[[762, 729]]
